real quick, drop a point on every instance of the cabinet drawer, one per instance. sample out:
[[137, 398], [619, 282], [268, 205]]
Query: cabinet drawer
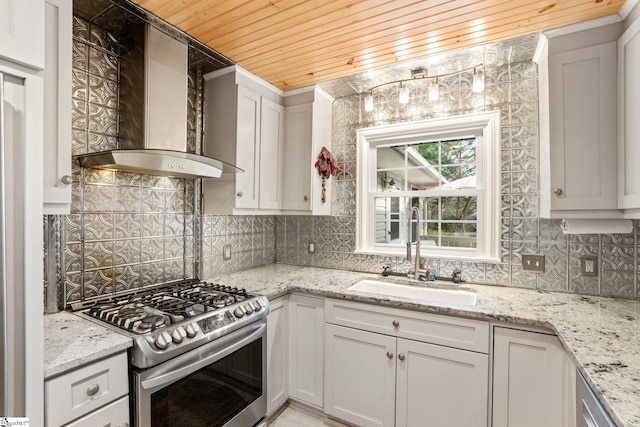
[[115, 414], [465, 334], [76, 393]]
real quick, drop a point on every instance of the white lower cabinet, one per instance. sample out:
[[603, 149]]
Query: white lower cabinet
[[277, 355], [306, 349], [97, 392], [385, 379], [533, 380], [360, 377]]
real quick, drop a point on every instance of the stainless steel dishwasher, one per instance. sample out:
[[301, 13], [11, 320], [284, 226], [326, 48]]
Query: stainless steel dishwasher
[[589, 410]]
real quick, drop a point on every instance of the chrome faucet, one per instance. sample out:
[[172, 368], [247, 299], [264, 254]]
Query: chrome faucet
[[418, 273]]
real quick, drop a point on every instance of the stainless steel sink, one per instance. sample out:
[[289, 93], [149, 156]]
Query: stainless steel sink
[[449, 296]]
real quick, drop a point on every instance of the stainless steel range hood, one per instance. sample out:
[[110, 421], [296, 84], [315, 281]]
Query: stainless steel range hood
[[153, 112]]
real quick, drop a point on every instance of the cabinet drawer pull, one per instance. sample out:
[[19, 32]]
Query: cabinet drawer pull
[[558, 191], [240, 194], [67, 180], [401, 356], [389, 355], [396, 323], [92, 390], [306, 198]]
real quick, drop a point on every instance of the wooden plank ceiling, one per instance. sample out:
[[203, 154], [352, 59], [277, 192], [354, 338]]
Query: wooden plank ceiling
[[296, 43]]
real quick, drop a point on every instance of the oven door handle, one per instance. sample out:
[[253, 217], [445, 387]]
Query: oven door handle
[[178, 368]]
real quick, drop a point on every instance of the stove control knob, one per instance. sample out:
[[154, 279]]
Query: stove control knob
[[178, 335], [192, 329], [248, 308], [257, 306], [239, 312], [163, 340]]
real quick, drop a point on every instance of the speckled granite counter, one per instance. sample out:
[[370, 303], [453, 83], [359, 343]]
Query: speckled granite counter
[[602, 335], [71, 341]]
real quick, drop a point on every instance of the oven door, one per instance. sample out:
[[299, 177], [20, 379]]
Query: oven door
[[221, 383]]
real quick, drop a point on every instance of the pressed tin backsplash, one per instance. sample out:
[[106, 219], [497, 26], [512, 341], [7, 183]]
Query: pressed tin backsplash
[[130, 230]]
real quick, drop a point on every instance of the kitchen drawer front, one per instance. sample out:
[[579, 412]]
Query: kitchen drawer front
[[78, 392], [465, 334], [115, 414]]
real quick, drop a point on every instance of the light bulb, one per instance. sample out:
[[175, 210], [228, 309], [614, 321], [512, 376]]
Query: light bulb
[[403, 97], [478, 81], [434, 91], [368, 102]]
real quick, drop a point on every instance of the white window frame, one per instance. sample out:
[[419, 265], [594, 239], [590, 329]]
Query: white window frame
[[485, 126]]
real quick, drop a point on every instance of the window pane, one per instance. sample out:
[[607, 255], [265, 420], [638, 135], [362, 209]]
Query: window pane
[[460, 235], [459, 208], [390, 157], [459, 152], [387, 181], [387, 220]]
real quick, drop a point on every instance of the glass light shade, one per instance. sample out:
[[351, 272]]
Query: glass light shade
[[478, 81], [434, 91], [368, 103], [403, 97]]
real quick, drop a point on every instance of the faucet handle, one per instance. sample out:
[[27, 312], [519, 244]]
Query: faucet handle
[[385, 270]]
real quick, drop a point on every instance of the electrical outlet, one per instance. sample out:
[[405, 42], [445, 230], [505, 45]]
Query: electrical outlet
[[589, 266], [312, 247], [533, 262], [226, 252]]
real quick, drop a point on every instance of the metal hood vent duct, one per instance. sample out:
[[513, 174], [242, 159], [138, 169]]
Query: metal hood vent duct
[[153, 112]]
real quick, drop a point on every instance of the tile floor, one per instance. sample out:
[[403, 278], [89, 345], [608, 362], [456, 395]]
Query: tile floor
[[298, 417]]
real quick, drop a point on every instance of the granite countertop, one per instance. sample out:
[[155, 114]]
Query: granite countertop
[[71, 341], [601, 335]]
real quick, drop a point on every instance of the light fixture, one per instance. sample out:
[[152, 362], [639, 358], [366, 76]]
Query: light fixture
[[478, 80], [403, 95], [433, 88], [368, 102]]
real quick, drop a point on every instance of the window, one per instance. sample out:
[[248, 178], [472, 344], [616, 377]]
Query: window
[[449, 169]]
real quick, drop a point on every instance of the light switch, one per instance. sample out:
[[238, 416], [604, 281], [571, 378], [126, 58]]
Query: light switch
[[533, 262], [226, 252], [312, 247]]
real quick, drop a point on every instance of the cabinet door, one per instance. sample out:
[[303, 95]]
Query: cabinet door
[[306, 356], [271, 152], [360, 376], [247, 148], [440, 386], [297, 158], [22, 32], [529, 380], [583, 135], [629, 125], [57, 107], [277, 355]]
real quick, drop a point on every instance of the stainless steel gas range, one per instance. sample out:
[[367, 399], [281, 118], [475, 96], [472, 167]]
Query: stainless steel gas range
[[199, 353]]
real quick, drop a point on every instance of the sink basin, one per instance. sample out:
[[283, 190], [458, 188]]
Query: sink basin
[[449, 296]]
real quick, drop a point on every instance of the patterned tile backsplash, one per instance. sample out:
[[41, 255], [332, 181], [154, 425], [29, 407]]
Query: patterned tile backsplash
[[130, 230]]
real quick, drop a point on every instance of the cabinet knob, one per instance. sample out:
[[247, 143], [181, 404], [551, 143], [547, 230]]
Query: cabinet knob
[[558, 191], [306, 198], [240, 194], [389, 355], [92, 390], [401, 356], [396, 323], [67, 180]]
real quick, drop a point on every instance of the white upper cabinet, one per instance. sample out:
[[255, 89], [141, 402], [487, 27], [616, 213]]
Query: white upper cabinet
[[578, 130], [308, 129], [57, 107], [628, 123], [22, 32], [244, 126]]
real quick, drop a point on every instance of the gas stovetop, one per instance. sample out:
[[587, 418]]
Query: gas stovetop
[[170, 319]]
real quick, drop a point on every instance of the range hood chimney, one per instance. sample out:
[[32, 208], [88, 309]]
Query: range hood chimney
[[153, 112]]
